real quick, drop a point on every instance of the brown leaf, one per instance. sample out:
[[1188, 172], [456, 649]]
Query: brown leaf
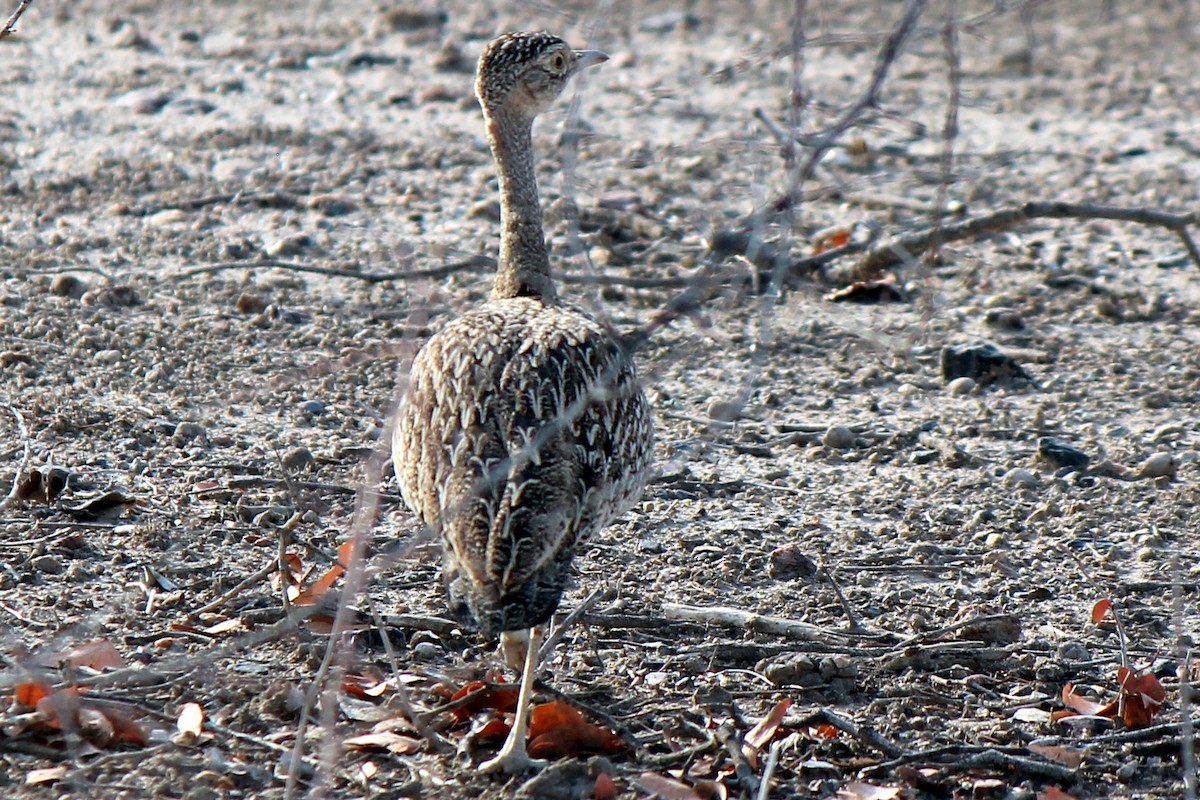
[[1141, 697], [1054, 793], [388, 740], [1068, 756], [857, 790], [326, 581], [1081, 705], [498, 698], [1100, 610], [111, 502], [879, 290], [364, 687], [98, 655], [36, 777], [665, 788], [557, 729], [604, 789], [762, 733]]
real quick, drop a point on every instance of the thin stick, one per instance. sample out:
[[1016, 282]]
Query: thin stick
[[11, 497], [885, 254], [10, 27], [761, 623], [1187, 755]]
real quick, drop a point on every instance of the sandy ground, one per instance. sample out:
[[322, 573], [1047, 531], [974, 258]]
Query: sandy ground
[[151, 155]]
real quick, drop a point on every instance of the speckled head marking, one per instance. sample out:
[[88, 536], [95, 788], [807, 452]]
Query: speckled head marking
[[535, 63]]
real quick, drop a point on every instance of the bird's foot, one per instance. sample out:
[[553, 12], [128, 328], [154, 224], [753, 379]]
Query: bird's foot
[[511, 761]]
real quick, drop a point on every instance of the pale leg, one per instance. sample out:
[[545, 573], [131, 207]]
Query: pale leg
[[512, 758]]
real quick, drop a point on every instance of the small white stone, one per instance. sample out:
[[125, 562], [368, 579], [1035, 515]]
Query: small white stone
[[168, 216], [1020, 477], [1159, 465], [838, 437], [961, 386], [107, 356]]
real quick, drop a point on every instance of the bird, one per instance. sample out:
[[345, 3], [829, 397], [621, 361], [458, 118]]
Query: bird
[[524, 428]]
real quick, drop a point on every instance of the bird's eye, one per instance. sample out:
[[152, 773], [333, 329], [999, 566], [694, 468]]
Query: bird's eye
[[558, 62]]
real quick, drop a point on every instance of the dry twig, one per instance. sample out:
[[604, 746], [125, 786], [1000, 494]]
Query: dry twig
[[10, 27], [759, 623], [11, 497]]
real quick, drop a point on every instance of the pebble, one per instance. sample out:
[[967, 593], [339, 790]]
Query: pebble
[[1072, 651], [1058, 454], [1020, 477], [1159, 465], [144, 101], [669, 21], [186, 431], [311, 407], [961, 386], [297, 459], [168, 216], [838, 437], [47, 563], [288, 245], [107, 356], [426, 651], [788, 562], [982, 361], [68, 286], [1004, 319], [725, 410]]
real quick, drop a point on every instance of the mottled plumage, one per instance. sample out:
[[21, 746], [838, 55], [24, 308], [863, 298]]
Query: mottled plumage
[[524, 429]]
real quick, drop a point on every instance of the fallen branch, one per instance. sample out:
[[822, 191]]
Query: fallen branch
[[10, 27], [759, 623], [889, 252]]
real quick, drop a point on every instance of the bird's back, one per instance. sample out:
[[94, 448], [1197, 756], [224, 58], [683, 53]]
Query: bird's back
[[523, 431]]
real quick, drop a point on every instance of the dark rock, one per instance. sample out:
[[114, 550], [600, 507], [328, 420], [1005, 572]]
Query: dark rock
[[1058, 453], [982, 361]]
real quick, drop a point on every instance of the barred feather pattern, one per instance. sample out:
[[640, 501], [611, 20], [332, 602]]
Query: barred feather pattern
[[523, 431]]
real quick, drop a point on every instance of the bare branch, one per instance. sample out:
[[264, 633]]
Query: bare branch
[[10, 27]]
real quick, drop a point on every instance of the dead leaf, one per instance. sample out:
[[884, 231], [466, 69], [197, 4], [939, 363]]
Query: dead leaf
[[364, 687], [831, 240], [604, 789], [112, 502], [36, 777], [326, 581], [498, 698], [761, 734], [1081, 705], [387, 740], [1100, 610], [711, 790], [30, 693], [43, 485], [1141, 697], [557, 729], [98, 655], [233, 625], [857, 790], [664, 787], [1054, 793], [1068, 756]]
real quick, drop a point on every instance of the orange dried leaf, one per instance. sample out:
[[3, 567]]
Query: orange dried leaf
[[604, 789], [30, 693], [98, 655], [494, 730], [558, 729], [1100, 610], [364, 687], [858, 790], [322, 585], [1067, 756], [1141, 697], [483, 697], [1081, 705], [1054, 793], [225, 626], [665, 788], [762, 733], [190, 721]]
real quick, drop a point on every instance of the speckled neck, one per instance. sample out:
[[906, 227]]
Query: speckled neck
[[524, 269]]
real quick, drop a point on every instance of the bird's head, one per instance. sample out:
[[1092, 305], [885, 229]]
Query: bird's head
[[521, 74]]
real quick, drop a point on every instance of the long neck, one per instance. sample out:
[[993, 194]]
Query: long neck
[[524, 269]]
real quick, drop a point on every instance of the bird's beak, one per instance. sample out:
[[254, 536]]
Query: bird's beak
[[589, 58]]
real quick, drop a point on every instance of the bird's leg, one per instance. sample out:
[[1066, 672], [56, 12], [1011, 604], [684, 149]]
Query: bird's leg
[[512, 758]]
